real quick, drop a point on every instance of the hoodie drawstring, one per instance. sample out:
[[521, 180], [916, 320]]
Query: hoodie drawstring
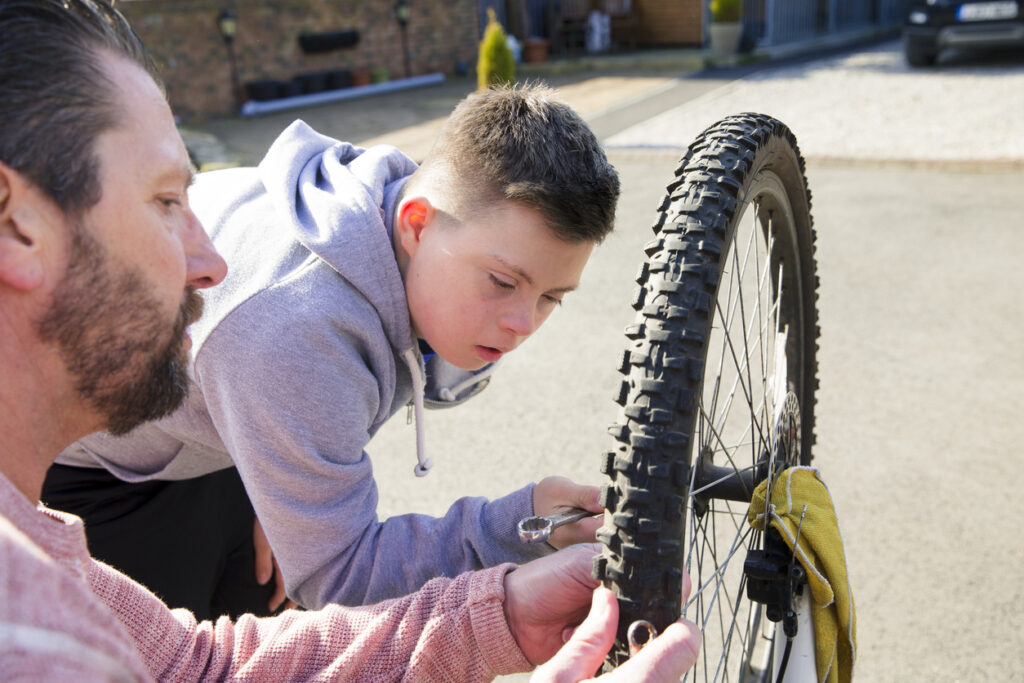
[[423, 463], [451, 393]]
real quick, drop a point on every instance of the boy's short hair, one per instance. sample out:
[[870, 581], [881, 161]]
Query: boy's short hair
[[55, 98], [523, 145]]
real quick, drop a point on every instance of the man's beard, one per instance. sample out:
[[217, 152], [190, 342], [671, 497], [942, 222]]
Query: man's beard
[[109, 328]]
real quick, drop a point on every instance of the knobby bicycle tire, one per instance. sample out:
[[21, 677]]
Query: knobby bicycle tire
[[744, 174]]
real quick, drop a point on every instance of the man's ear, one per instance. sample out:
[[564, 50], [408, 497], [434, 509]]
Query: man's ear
[[21, 230], [414, 215]]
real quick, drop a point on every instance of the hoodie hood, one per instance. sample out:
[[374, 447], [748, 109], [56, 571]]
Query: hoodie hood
[[329, 189]]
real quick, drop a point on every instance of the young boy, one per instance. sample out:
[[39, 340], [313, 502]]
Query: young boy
[[359, 284]]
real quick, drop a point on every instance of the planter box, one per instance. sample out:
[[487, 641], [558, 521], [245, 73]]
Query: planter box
[[725, 38], [535, 50], [341, 78]]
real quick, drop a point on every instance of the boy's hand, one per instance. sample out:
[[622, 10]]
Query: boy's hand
[[557, 493], [267, 569]]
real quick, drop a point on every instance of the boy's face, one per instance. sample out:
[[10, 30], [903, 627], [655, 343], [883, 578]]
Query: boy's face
[[478, 288]]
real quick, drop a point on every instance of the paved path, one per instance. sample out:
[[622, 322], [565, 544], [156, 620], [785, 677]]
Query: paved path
[[411, 119]]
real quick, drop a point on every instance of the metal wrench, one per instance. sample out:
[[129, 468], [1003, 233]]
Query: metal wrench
[[537, 529]]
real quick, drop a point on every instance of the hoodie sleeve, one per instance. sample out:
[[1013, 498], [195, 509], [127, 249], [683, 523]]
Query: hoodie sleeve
[[294, 389]]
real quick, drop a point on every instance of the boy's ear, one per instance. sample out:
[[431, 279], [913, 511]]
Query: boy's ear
[[21, 230], [414, 215]]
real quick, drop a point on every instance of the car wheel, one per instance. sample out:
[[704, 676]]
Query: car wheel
[[919, 52], [920, 57]]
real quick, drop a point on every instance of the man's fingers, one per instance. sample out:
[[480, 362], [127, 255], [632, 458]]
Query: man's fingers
[[264, 556], [665, 658], [581, 656], [687, 585]]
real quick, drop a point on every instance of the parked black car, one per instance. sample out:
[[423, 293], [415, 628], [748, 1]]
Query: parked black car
[[936, 24]]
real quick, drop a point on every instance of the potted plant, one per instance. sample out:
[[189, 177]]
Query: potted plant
[[495, 63], [726, 27]]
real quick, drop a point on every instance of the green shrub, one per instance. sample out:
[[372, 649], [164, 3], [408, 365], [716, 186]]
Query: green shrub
[[726, 11], [496, 65]]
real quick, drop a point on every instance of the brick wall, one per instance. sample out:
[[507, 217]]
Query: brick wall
[[670, 22], [186, 43]]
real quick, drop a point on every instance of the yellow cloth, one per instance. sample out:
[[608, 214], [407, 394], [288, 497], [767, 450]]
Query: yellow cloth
[[821, 553]]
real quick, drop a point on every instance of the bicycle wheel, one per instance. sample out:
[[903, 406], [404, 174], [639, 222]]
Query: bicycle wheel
[[719, 391]]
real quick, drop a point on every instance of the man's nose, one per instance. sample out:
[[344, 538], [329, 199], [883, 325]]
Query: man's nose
[[204, 266]]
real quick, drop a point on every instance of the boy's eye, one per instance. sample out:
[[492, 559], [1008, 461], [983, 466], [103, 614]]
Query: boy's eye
[[503, 284]]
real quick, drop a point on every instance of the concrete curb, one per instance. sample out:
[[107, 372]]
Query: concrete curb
[[253, 108]]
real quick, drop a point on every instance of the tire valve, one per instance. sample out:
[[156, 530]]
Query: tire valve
[[638, 640]]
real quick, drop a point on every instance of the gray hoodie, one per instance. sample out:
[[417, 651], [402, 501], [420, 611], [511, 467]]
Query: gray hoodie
[[302, 353]]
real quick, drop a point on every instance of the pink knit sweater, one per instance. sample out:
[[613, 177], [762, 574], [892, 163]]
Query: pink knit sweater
[[65, 616]]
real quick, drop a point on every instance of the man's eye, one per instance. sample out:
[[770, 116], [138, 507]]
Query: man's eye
[[554, 300]]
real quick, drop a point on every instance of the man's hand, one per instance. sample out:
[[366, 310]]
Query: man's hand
[[553, 494], [546, 599], [267, 569], [662, 660]]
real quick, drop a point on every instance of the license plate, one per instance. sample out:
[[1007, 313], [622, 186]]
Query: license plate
[[987, 11]]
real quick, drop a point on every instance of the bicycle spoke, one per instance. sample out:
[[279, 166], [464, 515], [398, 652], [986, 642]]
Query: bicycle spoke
[[744, 366]]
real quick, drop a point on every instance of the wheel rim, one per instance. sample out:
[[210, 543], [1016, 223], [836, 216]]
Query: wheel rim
[[753, 361], [726, 327]]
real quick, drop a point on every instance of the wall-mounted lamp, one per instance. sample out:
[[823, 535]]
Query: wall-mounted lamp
[[402, 13], [227, 23]]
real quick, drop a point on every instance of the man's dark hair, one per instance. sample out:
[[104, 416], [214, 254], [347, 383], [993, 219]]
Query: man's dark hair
[[55, 99], [522, 144]]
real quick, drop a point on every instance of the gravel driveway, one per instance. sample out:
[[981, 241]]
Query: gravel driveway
[[869, 106]]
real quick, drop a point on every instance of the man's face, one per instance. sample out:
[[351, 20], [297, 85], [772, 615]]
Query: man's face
[[119, 313], [126, 358], [478, 289]]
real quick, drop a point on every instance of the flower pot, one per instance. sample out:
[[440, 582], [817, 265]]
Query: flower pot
[[360, 77], [535, 50], [725, 38]]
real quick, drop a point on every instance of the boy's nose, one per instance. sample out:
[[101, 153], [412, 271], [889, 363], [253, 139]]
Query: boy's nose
[[204, 266], [520, 320]]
